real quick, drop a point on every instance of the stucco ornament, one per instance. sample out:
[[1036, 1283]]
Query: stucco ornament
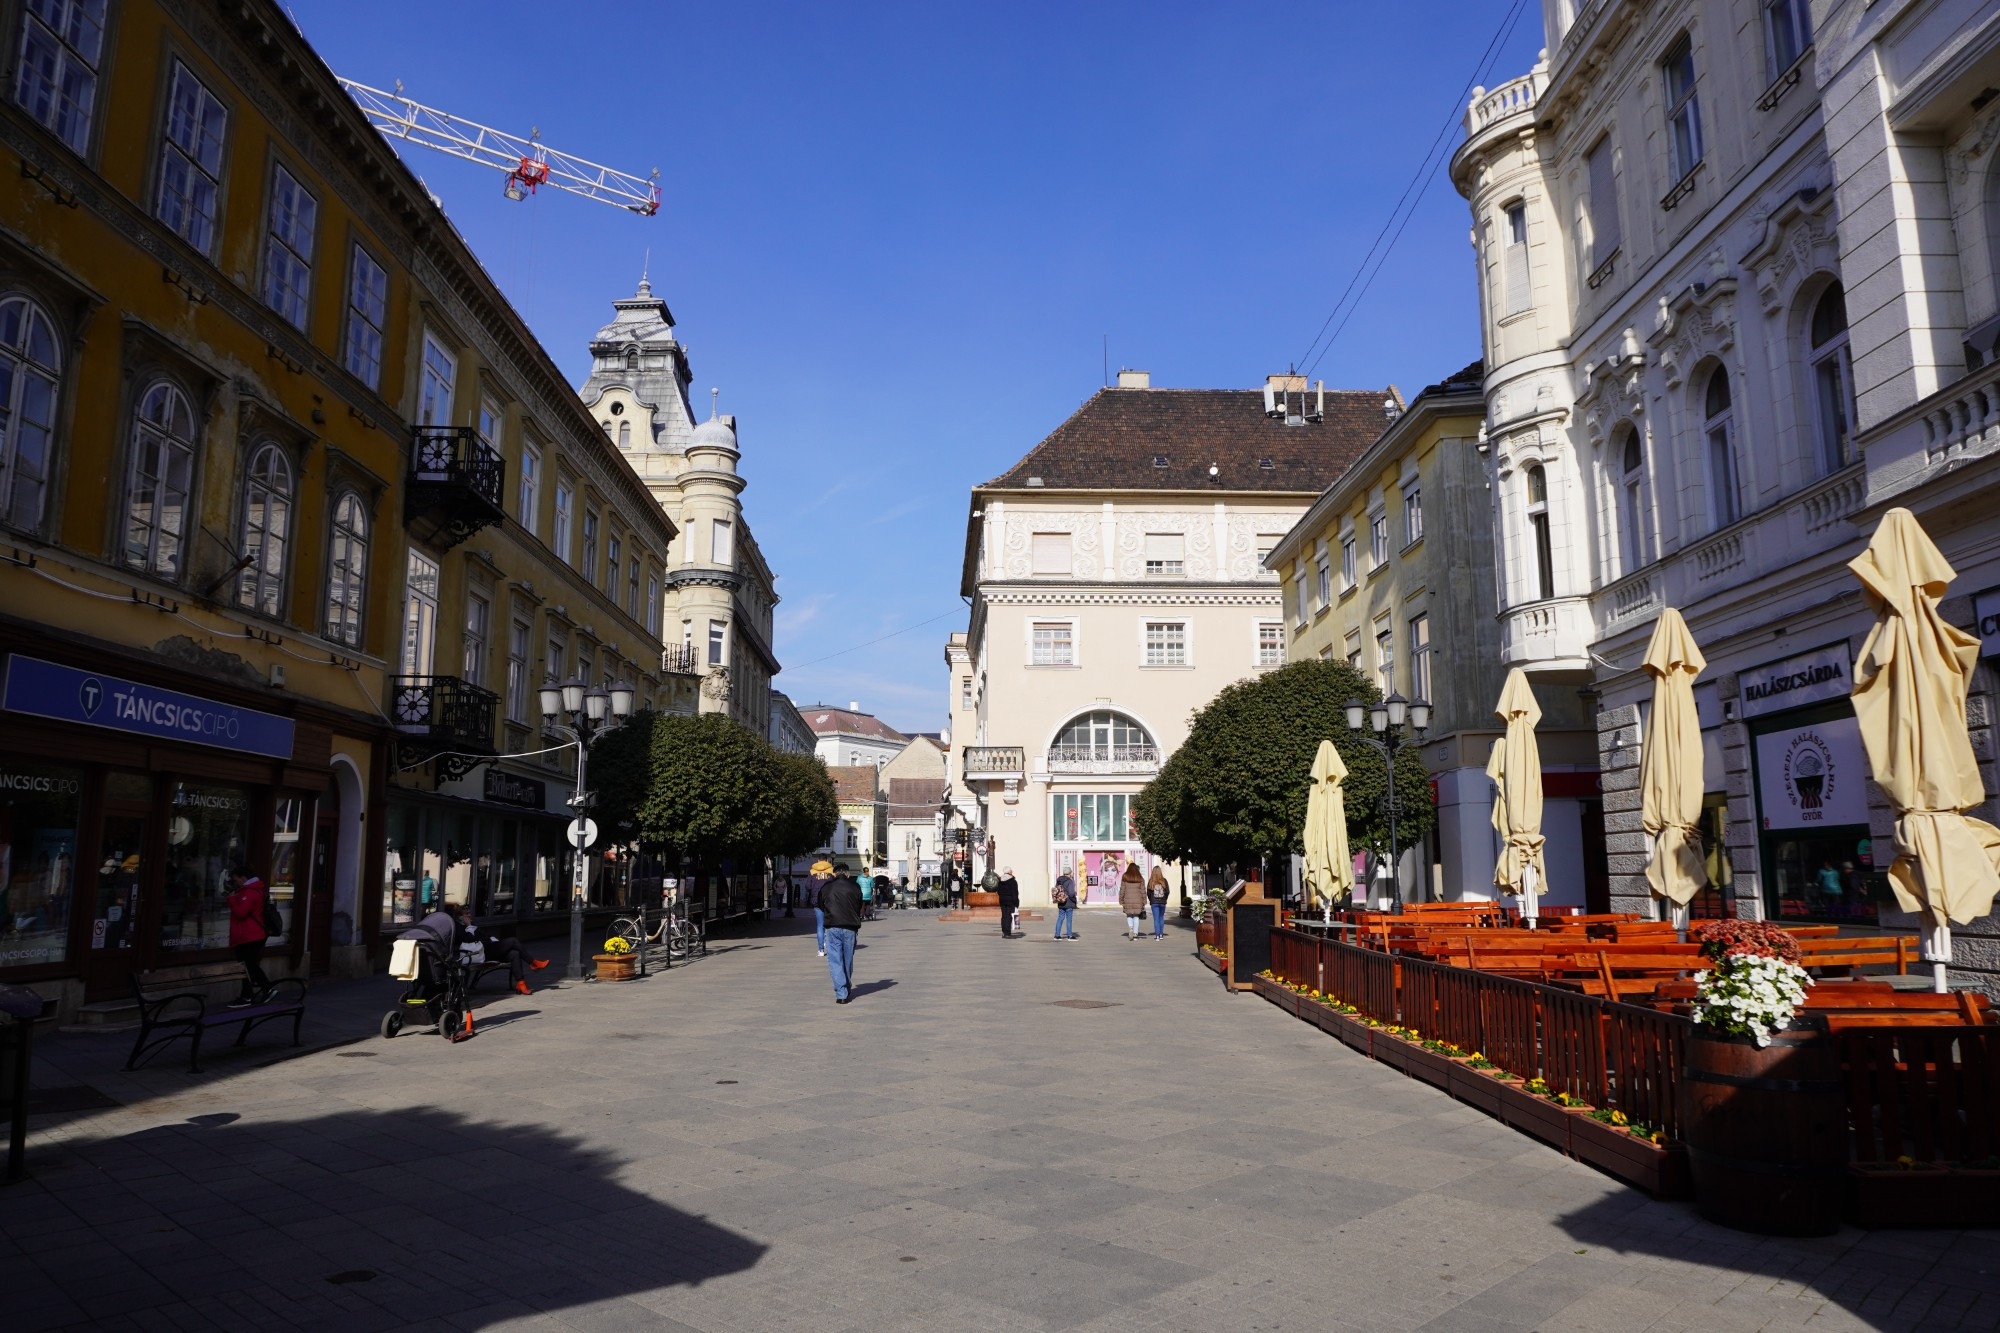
[[715, 685]]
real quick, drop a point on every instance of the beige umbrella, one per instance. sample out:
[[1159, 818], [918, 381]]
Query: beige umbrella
[[1909, 694], [1329, 866], [1516, 770], [1670, 779]]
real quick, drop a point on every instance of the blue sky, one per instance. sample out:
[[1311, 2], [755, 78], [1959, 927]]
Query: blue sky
[[896, 235]]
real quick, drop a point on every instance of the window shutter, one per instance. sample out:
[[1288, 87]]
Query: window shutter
[[1517, 278], [1163, 545], [1051, 553], [1603, 204]]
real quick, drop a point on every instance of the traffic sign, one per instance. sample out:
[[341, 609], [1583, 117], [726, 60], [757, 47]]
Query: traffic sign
[[582, 833]]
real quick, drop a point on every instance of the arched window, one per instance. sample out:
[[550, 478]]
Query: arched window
[[30, 370], [158, 481], [1833, 379], [267, 527], [1103, 736], [632, 358], [624, 435], [1538, 525], [1631, 502], [347, 570], [1719, 425]]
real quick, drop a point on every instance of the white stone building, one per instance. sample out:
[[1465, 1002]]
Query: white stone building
[[1737, 270], [848, 738]]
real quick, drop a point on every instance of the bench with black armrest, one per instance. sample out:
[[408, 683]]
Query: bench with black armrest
[[174, 1004]]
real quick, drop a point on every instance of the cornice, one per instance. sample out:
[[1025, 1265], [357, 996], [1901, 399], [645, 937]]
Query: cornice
[[1070, 595]]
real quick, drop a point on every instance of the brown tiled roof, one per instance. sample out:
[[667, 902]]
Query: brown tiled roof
[[1119, 437], [910, 797], [855, 782], [826, 721]]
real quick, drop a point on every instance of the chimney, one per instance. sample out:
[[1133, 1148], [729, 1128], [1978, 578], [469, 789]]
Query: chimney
[[1134, 379], [853, 706], [1285, 383]]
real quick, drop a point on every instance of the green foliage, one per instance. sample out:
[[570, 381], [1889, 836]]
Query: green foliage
[[1236, 790], [717, 790], [619, 771], [811, 806]]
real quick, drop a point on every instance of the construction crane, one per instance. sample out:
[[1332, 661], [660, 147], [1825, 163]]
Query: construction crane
[[529, 163]]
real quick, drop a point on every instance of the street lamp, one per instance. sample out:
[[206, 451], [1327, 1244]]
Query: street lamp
[[582, 714], [1386, 718]]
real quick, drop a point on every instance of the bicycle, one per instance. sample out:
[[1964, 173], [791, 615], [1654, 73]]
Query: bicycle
[[678, 935]]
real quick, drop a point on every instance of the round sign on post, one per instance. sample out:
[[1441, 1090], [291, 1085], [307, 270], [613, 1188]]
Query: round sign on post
[[582, 833]]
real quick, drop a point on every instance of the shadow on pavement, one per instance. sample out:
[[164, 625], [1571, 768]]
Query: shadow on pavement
[[361, 1219], [870, 987]]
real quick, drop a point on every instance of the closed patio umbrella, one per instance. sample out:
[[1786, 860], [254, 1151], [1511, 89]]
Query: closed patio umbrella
[[1670, 778], [1909, 695], [1329, 866], [1516, 770]]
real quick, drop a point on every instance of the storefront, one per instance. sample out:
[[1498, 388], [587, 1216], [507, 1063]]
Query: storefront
[[1811, 779], [126, 808], [1092, 837], [493, 839]]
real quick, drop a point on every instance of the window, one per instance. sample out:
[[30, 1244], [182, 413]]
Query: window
[[1385, 654], [653, 604], [1515, 259], [491, 416], [1165, 554], [1725, 504], [1052, 643], [518, 634], [1787, 34], [288, 247], [531, 485], [191, 161], [156, 491], [624, 435], [1683, 115], [1270, 643], [478, 615], [420, 612], [30, 370], [1631, 503], [347, 569], [1352, 646], [964, 693], [614, 552], [267, 516], [1096, 817], [1378, 540], [716, 632], [558, 655], [853, 838], [1300, 608], [1050, 553], [1603, 183], [632, 587], [1103, 735], [589, 565], [1420, 658], [440, 373], [367, 316], [1166, 643], [1346, 562], [561, 534], [1833, 379], [1538, 525], [1413, 514], [60, 44], [719, 545], [1325, 583]]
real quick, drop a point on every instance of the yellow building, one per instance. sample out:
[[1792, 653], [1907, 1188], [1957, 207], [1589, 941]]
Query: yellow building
[[1391, 571], [280, 541]]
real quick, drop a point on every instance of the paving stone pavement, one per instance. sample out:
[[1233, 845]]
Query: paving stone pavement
[[723, 1148]]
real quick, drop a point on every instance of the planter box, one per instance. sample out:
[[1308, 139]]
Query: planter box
[[1391, 1051], [1213, 962], [1536, 1115], [1429, 1066], [1347, 1028], [616, 966], [1953, 1199], [1277, 993], [1475, 1087], [1659, 1169]]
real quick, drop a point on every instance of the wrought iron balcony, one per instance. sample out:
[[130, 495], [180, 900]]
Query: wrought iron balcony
[[445, 717], [455, 483], [680, 659], [995, 761], [1104, 758]]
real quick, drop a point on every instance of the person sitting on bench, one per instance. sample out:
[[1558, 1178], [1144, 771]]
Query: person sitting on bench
[[501, 949]]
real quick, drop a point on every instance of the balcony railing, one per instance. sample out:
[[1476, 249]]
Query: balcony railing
[[994, 760], [455, 483], [679, 659], [1104, 758], [443, 716]]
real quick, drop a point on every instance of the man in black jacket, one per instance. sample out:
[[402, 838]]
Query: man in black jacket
[[840, 900], [1010, 901]]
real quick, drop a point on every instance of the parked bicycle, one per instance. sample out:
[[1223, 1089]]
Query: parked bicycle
[[673, 931]]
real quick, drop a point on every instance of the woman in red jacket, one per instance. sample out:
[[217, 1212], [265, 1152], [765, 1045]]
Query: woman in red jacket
[[247, 937]]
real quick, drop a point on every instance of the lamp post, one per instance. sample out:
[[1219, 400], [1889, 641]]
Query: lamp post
[[945, 811], [1386, 719], [591, 711]]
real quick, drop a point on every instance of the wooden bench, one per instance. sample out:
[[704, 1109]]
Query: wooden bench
[[1852, 1004], [175, 1006], [1852, 951]]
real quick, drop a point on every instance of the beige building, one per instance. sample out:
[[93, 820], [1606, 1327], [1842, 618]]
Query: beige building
[[912, 785], [860, 838], [847, 737], [1117, 583]]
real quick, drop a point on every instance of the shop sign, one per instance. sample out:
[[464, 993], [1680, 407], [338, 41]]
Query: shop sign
[[1813, 776], [507, 789], [47, 689], [1986, 610], [1808, 678]]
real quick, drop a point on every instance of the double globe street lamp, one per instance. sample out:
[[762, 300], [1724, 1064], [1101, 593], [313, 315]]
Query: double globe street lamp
[[591, 711], [1386, 718]]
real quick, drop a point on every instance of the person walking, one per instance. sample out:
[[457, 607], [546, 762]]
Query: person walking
[[866, 883], [822, 871], [248, 934], [1065, 901], [840, 901], [1156, 899], [1132, 899], [1010, 900]]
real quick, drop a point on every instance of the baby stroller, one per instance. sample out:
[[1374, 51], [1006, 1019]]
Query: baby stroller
[[440, 977]]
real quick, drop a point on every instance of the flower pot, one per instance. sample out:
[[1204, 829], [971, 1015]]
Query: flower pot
[[1766, 1131], [616, 966], [1475, 1087], [1659, 1169]]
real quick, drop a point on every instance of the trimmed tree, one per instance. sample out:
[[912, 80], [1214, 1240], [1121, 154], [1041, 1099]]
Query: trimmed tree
[[812, 808], [716, 790], [620, 772]]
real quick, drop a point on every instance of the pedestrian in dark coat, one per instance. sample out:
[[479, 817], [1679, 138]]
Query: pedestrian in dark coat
[[1009, 890], [840, 901]]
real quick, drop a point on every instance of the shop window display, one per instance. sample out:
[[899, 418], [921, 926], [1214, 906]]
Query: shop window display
[[208, 841], [39, 807], [285, 864]]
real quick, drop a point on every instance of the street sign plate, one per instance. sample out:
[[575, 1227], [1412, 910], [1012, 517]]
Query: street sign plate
[[582, 833]]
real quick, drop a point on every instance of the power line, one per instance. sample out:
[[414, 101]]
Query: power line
[[1426, 169], [872, 642]]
